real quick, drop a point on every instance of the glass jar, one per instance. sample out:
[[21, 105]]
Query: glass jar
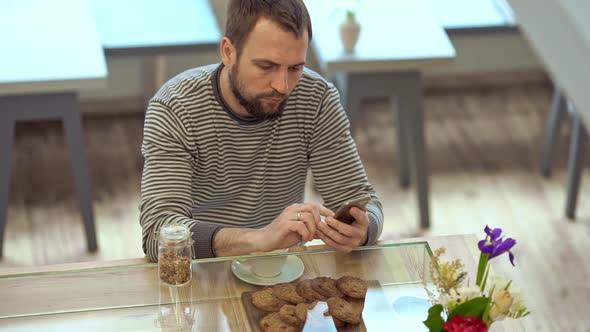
[[174, 255]]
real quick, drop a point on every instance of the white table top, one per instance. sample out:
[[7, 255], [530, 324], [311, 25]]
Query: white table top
[[455, 14], [559, 31], [134, 24], [49, 46], [395, 35]]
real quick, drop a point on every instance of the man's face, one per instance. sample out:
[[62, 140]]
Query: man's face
[[267, 69]]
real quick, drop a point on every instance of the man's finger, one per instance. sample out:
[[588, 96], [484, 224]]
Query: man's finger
[[324, 211], [332, 244], [341, 227], [360, 216], [300, 228], [335, 236], [296, 207], [308, 219], [315, 211]]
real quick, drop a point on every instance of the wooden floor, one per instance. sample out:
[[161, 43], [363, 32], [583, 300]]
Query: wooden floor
[[484, 150]]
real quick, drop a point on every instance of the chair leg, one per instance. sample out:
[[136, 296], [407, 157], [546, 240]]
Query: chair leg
[[75, 139], [402, 143], [575, 166], [558, 112], [6, 148]]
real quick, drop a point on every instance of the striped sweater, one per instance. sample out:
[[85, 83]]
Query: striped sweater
[[208, 168]]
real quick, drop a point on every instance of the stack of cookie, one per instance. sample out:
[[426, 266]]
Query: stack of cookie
[[288, 303]]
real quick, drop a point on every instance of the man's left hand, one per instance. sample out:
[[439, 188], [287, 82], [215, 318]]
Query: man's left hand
[[343, 237]]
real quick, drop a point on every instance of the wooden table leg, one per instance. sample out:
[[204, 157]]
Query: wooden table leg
[[6, 147], [412, 102], [575, 166], [558, 112], [75, 138]]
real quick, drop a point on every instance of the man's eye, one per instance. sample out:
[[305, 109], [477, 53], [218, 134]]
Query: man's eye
[[265, 67], [296, 68]]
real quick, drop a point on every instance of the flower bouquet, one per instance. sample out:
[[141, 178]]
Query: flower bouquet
[[461, 307]]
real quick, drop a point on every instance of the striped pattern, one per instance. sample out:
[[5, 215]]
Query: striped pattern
[[207, 168]]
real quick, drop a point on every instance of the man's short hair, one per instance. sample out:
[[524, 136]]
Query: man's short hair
[[242, 16]]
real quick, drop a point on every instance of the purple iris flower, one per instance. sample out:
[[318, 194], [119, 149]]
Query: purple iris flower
[[493, 233], [494, 245]]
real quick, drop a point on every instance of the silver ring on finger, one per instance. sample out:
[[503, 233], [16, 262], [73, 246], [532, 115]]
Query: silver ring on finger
[[299, 216]]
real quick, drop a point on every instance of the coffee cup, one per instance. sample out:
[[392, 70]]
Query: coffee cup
[[265, 267]]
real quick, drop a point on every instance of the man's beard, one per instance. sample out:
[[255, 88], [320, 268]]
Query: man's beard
[[254, 106]]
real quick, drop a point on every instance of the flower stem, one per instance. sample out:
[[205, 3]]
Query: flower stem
[[485, 279], [482, 269]]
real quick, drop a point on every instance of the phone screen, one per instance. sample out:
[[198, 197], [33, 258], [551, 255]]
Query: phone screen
[[343, 212]]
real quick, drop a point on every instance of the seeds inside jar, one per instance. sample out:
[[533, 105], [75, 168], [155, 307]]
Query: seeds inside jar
[[174, 269]]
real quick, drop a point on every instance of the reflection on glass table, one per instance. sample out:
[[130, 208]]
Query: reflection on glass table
[[130, 296]]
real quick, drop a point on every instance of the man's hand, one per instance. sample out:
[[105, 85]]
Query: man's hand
[[343, 237], [296, 223]]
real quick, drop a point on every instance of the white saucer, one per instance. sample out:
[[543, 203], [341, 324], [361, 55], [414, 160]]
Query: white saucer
[[292, 270]]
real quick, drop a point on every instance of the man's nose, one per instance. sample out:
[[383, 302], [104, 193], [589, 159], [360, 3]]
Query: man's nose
[[280, 82]]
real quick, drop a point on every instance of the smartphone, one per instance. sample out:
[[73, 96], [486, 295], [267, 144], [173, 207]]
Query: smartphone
[[343, 212]]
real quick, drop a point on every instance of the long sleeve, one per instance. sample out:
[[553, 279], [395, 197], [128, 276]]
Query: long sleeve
[[336, 166], [167, 178]]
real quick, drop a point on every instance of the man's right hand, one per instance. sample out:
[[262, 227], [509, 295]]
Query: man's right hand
[[295, 224]]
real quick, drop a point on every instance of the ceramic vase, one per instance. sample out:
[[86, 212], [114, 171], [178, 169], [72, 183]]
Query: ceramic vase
[[349, 33]]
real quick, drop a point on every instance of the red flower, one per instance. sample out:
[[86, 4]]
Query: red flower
[[465, 324]]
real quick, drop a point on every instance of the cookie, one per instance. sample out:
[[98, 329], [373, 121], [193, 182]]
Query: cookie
[[304, 289], [288, 292], [352, 286], [326, 286], [311, 305], [357, 304], [265, 300], [273, 323], [302, 308], [337, 322], [288, 313], [343, 310]]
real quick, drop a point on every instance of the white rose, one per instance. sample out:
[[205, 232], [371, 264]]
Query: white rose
[[502, 302]]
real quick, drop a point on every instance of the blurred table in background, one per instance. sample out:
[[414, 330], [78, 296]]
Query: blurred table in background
[[49, 46], [559, 31], [154, 28], [50, 51], [398, 39]]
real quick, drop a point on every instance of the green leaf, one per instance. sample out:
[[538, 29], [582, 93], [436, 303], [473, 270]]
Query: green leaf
[[434, 322], [472, 308]]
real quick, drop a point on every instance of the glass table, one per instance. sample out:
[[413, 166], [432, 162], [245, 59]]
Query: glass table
[[131, 297]]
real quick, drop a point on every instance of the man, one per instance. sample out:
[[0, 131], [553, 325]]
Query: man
[[227, 146]]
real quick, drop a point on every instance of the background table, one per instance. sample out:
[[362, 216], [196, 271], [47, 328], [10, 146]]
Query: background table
[[51, 51], [563, 45], [153, 28], [398, 39]]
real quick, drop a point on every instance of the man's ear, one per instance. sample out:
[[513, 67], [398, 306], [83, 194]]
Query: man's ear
[[228, 52]]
